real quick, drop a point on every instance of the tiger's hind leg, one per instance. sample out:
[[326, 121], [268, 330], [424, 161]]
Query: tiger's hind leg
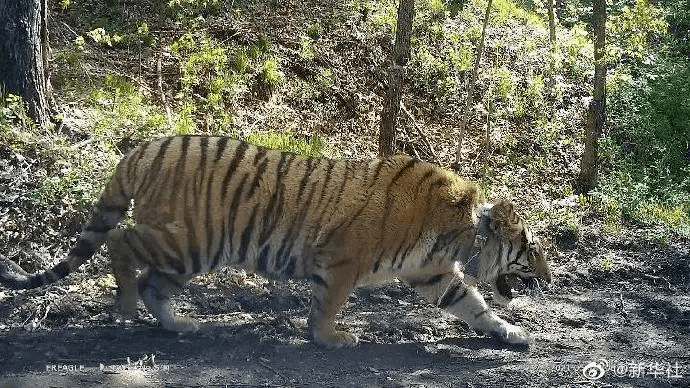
[[328, 296], [124, 266], [449, 292], [129, 254], [155, 289]]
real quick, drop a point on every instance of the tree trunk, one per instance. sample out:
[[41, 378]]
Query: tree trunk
[[552, 49], [24, 55], [552, 23], [401, 55], [596, 119], [470, 92]]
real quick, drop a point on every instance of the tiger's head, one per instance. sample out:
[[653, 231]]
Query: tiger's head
[[511, 255]]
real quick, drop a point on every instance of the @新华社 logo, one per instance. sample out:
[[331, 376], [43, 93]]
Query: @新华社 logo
[[595, 369]]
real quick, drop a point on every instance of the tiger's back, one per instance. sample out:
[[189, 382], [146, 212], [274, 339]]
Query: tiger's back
[[271, 211], [202, 203]]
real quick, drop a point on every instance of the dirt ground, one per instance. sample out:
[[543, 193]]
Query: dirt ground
[[628, 325]]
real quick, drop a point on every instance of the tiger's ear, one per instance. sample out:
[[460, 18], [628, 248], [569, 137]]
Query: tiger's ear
[[504, 221]]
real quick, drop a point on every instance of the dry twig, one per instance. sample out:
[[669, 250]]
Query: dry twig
[[419, 131]]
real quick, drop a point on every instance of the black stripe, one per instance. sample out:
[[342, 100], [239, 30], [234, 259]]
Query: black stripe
[[389, 198], [220, 148], [246, 237], [84, 248], [97, 226], [397, 251], [400, 246], [419, 185], [349, 167], [61, 270], [135, 156], [211, 231], [318, 280], [182, 159], [173, 243], [289, 269], [204, 146], [510, 249], [200, 177], [430, 281], [196, 260], [153, 169], [325, 208], [131, 239], [221, 248], [346, 224], [329, 175], [307, 175], [283, 254], [261, 170], [378, 169], [409, 165], [117, 178], [262, 263], [275, 205], [377, 263], [450, 297], [260, 155], [440, 182], [520, 252], [234, 205], [476, 316], [284, 259], [410, 246], [439, 244], [239, 155], [189, 220]]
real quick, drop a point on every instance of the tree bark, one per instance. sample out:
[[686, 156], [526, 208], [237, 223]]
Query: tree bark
[[552, 49], [401, 55], [470, 92], [552, 23], [596, 115], [24, 55]]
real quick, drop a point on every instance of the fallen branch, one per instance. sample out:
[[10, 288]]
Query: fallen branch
[[419, 131], [658, 279]]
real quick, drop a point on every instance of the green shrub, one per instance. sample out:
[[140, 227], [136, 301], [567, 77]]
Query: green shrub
[[645, 168], [313, 147]]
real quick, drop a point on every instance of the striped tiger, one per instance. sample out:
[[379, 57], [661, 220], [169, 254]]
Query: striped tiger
[[201, 203]]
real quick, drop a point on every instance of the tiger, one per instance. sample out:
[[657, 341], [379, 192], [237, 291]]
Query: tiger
[[201, 203]]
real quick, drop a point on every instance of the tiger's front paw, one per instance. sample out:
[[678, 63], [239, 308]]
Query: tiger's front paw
[[181, 325], [513, 335], [336, 339]]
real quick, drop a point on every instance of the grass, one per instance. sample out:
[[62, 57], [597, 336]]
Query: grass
[[645, 169], [313, 147]]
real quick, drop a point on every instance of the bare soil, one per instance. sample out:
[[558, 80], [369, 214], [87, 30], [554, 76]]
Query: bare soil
[[633, 325]]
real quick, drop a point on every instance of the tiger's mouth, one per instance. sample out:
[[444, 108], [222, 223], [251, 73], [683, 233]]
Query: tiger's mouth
[[507, 286]]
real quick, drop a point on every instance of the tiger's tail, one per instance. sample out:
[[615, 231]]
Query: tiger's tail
[[108, 211]]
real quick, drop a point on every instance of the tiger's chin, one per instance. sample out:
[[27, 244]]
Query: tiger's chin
[[507, 286]]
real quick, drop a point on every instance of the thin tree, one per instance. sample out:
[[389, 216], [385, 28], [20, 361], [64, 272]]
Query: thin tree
[[596, 113], [24, 55], [470, 91], [401, 55], [552, 45]]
